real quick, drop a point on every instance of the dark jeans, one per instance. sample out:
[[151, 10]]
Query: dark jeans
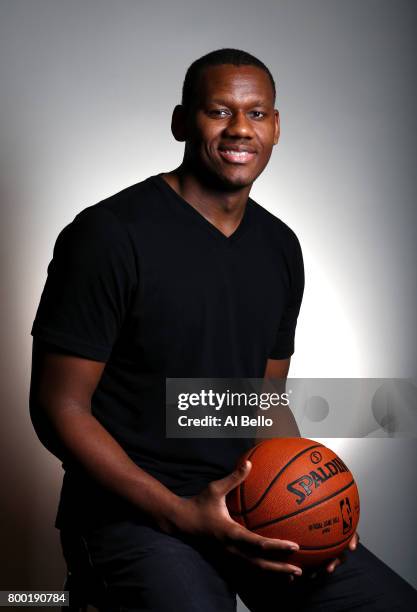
[[128, 566]]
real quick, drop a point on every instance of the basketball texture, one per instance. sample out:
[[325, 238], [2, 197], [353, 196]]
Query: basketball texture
[[298, 490]]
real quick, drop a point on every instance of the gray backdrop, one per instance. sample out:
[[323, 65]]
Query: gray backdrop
[[87, 88]]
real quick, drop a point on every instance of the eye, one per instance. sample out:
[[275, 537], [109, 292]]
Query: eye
[[257, 114], [218, 113]]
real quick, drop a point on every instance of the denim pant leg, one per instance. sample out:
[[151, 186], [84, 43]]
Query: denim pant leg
[[362, 583], [127, 566]]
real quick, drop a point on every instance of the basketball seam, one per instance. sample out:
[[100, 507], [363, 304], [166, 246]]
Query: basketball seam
[[273, 481], [325, 547], [242, 504], [243, 510], [317, 503]]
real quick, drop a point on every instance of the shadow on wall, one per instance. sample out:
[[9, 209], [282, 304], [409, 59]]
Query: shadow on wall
[[31, 477], [30, 551]]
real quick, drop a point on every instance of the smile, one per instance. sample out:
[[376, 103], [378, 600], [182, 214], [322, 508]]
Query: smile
[[237, 157]]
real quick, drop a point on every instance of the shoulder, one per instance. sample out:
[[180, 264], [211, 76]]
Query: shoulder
[[133, 203], [274, 228], [112, 217]]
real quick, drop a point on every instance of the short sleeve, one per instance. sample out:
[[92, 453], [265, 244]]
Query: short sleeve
[[284, 340], [90, 283]]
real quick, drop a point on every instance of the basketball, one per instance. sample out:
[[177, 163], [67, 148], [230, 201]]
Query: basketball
[[298, 490]]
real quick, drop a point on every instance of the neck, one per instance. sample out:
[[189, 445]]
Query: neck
[[222, 208]]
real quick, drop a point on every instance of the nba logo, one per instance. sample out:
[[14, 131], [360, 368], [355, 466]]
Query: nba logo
[[346, 512]]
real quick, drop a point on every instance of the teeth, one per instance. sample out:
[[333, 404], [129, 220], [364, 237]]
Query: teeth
[[237, 153]]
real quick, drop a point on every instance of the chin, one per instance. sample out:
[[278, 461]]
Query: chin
[[240, 181], [228, 179], [236, 179]]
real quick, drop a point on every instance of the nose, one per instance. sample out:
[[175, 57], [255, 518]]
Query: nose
[[239, 126]]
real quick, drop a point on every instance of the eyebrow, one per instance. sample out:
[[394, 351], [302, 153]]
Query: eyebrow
[[257, 102]]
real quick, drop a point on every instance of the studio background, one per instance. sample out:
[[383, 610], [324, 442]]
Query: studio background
[[87, 90]]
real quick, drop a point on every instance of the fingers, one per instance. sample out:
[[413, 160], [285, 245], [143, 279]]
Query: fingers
[[268, 564], [265, 553], [332, 565], [276, 566], [335, 562], [225, 485], [354, 542], [243, 537]]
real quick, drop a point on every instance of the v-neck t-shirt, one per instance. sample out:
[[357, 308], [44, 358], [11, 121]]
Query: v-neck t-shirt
[[145, 283]]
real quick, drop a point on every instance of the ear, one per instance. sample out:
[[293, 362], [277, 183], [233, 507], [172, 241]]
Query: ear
[[277, 127], [178, 123]]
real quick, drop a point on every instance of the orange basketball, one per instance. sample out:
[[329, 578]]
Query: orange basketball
[[298, 490]]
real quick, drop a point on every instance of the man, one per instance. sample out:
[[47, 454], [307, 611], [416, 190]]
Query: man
[[181, 275]]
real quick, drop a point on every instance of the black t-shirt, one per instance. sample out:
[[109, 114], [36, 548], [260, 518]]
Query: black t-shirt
[[143, 282]]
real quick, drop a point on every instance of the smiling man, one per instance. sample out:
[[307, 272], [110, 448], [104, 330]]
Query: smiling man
[[182, 275]]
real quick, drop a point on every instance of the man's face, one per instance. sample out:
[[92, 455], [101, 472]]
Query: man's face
[[233, 125]]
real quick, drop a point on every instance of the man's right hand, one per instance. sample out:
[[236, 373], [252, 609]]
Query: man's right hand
[[206, 516]]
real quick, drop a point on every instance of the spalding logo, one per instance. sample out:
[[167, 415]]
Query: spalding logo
[[315, 457], [302, 487]]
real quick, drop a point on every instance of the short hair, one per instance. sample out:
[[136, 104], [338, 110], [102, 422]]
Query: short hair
[[236, 57]]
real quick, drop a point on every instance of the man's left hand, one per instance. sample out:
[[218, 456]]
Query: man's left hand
[[335, 562]]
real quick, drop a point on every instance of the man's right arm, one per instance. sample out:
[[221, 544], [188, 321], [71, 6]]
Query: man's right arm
[[62, 386]]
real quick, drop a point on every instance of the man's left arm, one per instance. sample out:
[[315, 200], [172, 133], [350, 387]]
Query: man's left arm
[[284, 424]]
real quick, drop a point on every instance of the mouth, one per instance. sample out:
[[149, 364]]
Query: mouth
[[237, 154]]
